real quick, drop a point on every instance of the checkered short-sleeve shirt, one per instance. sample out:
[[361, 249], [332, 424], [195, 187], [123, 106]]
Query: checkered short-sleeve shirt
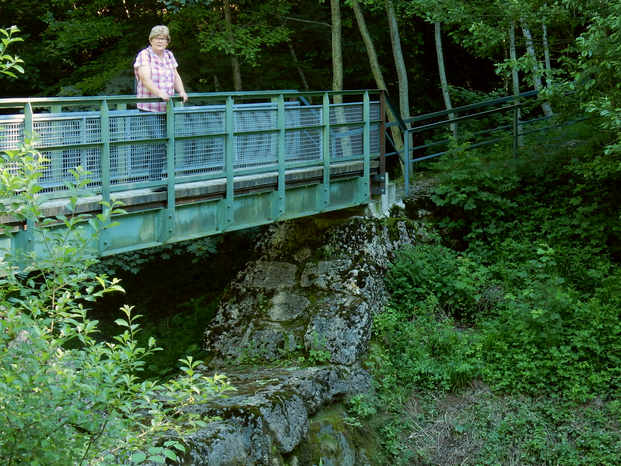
[[162, 75]]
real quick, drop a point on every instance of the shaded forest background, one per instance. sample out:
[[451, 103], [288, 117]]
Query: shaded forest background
[[87, 47]]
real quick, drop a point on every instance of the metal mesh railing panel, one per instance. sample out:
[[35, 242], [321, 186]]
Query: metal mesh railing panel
[[346, 142], [375, 138], [200, 148], [60, 164], [302, 116], [374, 111], [251, 150], [137, 162], [346, 113], [57, 130], [137, 126], [255, 119], [303, 144], [11, 132], [196, 156], [199, 122]]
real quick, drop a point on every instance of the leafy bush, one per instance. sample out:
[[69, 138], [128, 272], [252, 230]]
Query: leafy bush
[[419, 353], [67, 397], [423, 271], [548, 340]]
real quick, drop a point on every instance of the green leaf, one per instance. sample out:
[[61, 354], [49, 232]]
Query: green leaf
[[138, 457]]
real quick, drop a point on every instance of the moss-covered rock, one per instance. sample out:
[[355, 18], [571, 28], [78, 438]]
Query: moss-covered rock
[[308, 299]]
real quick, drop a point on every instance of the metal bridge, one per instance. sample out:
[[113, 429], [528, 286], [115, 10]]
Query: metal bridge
[[222, 162], [229, 161]]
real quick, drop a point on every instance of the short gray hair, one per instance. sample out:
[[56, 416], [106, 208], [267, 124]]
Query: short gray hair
[[159, 30]]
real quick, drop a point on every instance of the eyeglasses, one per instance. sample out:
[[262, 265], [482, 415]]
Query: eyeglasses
[[165, 39]]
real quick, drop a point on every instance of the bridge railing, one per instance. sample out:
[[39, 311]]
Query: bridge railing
[[505, 120], [214, 135]]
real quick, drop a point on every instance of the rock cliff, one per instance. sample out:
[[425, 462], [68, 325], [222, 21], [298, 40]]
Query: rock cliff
[[291, 334]]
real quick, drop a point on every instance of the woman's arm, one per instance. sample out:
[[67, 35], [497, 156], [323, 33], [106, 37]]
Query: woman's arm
[[179, 86], [144, 73]]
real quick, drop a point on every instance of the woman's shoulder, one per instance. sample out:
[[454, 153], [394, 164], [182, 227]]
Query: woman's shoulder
[[143, 54]]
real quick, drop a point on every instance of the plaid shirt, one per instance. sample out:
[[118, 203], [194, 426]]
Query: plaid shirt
[[162, 75]]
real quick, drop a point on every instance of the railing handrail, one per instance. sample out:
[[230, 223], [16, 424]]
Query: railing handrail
[[16, 102], [465, 108]]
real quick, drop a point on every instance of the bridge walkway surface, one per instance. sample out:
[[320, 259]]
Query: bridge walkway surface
[[225, 162]]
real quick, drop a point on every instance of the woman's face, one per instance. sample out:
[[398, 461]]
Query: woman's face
[[159, 43]]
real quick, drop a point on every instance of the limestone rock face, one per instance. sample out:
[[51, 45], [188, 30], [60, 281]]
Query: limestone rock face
[[268, 416], [308, 299]]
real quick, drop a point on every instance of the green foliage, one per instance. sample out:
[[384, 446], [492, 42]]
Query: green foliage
[[425, 272], [9, 63], [420, 352], [491, 429], [178, 335], [255, 27], [67, 396], [538, 276], [597, 74]]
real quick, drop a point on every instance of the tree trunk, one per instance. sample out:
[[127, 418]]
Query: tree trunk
[[530, 48], [515, 78], [337, 80], [294, 57], [375, 68], [237, 82], [402, 76], [546, 54], [337, 54], [443, 81]]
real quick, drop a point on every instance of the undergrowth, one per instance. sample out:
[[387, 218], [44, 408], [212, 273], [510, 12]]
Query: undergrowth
[[523, 300]]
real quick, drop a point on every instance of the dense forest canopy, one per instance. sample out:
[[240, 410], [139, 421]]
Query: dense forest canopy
[[87, 47]]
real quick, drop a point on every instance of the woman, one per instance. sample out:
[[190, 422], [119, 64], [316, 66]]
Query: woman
[[156, 75], [156, 72]]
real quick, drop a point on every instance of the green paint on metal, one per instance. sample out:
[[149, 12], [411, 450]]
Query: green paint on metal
[[228, 162], [170, 170], [325, 153], [236, 193], [281, 155], [105, 152], [365, 190]]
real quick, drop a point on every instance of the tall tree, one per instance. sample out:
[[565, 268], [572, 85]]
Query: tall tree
[[337, 47], [442, 71], [402, 75], [515, 78], [536, 68], [376, 70], [437, 13], [237, 80]]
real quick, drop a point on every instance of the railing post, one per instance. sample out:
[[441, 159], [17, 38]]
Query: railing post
[[104, 168], [281, 154], [28, 136], [382, 135], [366, 145], [325, 186], [170, 168], [28, 124], [406, 160], [105, 151], [228, 162]]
